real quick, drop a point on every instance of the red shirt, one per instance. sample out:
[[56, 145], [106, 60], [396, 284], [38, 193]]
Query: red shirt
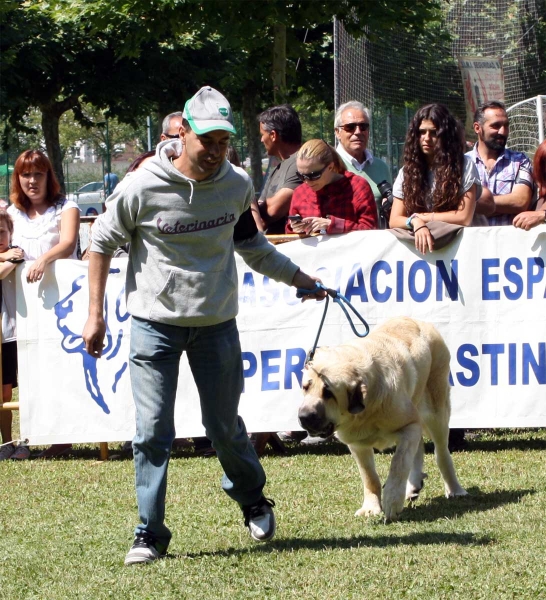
[[348, 202]]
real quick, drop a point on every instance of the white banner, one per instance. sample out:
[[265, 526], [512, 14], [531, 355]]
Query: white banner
[[485, 292]]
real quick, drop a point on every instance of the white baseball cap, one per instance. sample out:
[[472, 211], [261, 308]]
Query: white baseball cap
[[209, 110]]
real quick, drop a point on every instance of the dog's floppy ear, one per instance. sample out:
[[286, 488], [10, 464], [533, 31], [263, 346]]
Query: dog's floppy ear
[[355, 398]]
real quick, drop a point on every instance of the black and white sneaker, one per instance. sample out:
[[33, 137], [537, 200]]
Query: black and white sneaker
[[260, 519], [145, 549]]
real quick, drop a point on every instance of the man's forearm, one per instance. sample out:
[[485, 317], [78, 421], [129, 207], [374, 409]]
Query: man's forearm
[[515, 202], [277, 206], [485, 204], [99, 267]]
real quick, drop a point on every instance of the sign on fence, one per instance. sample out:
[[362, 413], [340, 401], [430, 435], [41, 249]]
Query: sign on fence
[[485, 292], [483, 80]]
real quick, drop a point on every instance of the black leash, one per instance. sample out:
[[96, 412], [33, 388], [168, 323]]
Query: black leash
[[340, 300]]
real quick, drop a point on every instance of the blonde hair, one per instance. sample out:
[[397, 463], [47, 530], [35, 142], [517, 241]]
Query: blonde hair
[[323, 152]]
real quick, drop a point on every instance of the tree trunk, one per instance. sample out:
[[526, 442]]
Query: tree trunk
[[50, 127], [51, 115], [252, 129]]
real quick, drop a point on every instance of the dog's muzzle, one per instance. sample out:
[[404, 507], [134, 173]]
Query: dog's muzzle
[[314, 421]]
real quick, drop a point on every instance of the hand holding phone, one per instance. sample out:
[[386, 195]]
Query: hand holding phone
[[295, 218]]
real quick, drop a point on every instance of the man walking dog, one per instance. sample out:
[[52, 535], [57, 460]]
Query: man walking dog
[[184, 212]]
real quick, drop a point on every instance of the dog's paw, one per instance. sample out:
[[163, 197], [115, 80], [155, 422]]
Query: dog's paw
[[369, 509], [393, 505], [392, 514], [413, 488], [412, 494], [456, 492]]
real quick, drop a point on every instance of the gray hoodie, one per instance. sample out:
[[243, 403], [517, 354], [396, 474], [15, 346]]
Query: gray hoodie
[[181, 267]]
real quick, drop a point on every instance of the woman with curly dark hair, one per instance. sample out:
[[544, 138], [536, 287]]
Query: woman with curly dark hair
[[437, 181]]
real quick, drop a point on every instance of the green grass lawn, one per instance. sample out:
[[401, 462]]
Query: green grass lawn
[[66, 525]]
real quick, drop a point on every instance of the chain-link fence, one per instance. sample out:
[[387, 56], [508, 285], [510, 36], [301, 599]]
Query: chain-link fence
[[394, 74]]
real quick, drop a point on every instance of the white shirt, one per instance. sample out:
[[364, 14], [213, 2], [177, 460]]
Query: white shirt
[[368, 157], [37, 236], [469, 178]]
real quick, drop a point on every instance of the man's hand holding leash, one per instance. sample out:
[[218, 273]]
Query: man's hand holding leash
[[302, 281]]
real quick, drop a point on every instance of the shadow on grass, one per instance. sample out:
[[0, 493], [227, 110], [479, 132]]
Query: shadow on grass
[[341, 543], [498, 444], [450, 508]]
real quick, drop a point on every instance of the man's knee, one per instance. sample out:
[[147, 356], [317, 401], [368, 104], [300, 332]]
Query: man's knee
[[221, 434]]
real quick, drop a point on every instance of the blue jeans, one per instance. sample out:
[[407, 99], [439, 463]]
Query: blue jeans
[[214, 356]]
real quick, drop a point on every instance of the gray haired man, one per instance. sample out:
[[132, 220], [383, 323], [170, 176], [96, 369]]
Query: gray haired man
[[170, 127], [352, 127]]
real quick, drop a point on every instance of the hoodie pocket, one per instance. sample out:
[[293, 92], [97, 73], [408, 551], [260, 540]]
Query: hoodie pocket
[[189, 295]]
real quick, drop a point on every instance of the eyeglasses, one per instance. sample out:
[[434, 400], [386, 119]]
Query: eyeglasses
[[170, 136], [351, 127], [311, 176]]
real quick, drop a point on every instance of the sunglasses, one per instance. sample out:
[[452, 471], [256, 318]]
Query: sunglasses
[[172, 137], [351, 127], [311, 176]]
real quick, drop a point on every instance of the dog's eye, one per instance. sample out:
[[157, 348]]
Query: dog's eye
[[327, 393], [305, 386]]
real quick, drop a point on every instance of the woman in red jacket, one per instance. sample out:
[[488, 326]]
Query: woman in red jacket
[[331, 199]]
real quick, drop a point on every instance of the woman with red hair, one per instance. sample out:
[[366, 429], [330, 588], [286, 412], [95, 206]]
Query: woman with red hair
[[46, 225], [531, 218]]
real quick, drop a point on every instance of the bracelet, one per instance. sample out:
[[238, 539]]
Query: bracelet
[[408, 221], [416, 230]]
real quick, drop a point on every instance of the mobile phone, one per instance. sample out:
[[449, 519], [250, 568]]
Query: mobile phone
[[295, 218]]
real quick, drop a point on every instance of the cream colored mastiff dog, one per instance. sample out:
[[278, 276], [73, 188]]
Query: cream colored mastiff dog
[[381, 391]]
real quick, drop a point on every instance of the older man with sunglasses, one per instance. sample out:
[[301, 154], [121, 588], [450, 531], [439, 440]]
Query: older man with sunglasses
[[352, 126], [170, 128]]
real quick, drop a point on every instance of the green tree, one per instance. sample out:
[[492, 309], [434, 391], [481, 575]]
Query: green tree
[[57, 65], [130, 59], [262, 41]]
